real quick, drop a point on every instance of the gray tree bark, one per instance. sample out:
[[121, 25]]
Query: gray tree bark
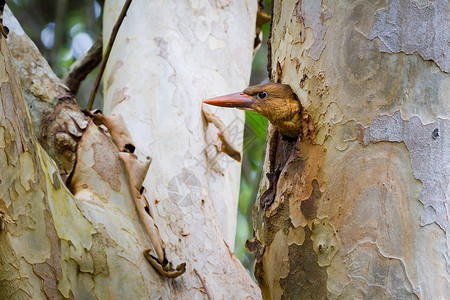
[[361, 206]]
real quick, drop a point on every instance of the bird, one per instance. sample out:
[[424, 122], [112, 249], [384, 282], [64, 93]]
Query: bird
[[275, 101]]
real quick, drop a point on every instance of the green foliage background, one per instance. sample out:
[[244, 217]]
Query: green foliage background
[[57, 26]]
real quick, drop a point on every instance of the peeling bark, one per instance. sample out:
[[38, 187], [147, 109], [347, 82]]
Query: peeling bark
[[30, 268], [361, 203], [157, 82], [85, 241], [59, 122]]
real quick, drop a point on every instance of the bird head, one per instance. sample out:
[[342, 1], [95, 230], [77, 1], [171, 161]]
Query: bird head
[[275, 101]]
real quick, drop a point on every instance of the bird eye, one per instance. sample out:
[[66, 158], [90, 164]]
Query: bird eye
[[262, 95]]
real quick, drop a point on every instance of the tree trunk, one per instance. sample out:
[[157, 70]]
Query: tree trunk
[[361, 202], [87, 242], [185, 53]]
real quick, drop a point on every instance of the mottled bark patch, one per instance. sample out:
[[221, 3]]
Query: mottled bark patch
[[406, 26], [311, 14], [306, 279], [107, 164], [50, 271], [278, 220], [100, 242], [325, 242], [429, 155], [376, 276], [309, 206]]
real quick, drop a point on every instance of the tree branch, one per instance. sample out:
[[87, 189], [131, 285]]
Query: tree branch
[[82, 67], [107, 52]]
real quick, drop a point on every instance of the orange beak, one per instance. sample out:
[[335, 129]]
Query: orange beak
[[238, 100]]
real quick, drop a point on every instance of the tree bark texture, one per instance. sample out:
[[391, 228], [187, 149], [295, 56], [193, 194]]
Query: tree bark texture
[[63, 244], [185, 53], [361, 207], [86, 241], [160, 69], [30, 247]]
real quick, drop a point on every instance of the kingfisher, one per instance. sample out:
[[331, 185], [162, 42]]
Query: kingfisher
[[275, 101]]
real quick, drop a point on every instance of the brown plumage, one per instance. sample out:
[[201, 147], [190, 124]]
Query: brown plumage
[[275, 101]]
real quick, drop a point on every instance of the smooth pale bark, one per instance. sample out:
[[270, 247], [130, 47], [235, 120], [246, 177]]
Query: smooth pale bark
[[161, 68], [86, 243], [167, 58], [362, 205]]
